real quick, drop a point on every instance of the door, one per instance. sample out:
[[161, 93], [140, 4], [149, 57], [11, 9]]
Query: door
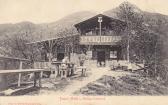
[[60, 56], [101, 58]]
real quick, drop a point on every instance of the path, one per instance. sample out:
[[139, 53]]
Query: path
[[95, 73]]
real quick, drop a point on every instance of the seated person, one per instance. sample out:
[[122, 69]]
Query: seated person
[[64, 62]]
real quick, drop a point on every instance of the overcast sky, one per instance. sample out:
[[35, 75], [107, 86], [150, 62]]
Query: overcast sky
[[42, 11]]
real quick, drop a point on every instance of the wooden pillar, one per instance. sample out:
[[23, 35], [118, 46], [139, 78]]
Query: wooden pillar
[[58, 69], [40, 77], [19, 78], [69, 52], [83, 71], [35, 82], [65, 47], [55, 74]]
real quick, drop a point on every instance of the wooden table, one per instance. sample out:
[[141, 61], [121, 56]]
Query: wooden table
[[70, 67]]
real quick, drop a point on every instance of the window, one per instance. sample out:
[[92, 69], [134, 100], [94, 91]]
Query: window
[[113, 54]]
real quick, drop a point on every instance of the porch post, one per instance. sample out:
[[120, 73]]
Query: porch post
[[100, 21]]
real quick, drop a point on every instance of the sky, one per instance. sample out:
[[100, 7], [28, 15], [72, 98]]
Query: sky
[[44, 11]]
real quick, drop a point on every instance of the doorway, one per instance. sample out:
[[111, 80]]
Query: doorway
[[101, 58], [60, 56]]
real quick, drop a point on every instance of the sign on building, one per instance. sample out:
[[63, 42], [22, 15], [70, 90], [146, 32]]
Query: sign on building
[[99, 40], [100, 19]]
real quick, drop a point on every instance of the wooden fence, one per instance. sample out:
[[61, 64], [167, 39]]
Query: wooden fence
[[3, 73]]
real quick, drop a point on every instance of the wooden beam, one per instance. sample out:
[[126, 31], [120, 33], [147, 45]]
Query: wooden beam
[[19, 78], [14, 58], [40, 77], [21, 71], [60, 37], [21, 65], [35, 79], [55, 74]]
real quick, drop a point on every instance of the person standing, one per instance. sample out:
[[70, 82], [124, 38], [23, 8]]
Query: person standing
[[82, 59]]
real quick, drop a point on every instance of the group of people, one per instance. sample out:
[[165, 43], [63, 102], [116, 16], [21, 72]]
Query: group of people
[[66, 69], [82, 58]]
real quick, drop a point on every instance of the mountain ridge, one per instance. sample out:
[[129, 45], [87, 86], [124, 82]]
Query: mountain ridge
[[66, 23]]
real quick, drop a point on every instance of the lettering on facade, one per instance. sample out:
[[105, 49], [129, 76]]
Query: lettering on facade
[[99, 39]]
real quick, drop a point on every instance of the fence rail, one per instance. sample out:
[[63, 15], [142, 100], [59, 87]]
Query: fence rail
[[20, 71], [38, 72]]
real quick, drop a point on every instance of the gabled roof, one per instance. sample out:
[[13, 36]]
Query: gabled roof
[[93, 21]]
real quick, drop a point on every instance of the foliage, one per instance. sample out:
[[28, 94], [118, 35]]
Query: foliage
[[17, 44], [142, 40], [146, 37]]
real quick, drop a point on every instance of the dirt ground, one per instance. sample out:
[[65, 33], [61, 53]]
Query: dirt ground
[[98, 81], [125, 85]]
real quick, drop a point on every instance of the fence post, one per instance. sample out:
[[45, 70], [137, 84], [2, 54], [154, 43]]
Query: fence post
[[34, 79], [19, 78], [40, 77], [55, 72]]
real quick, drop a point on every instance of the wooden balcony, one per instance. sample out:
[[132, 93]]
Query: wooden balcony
[[99, 40]]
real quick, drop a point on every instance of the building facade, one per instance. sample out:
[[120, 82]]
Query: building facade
[[100, 37]]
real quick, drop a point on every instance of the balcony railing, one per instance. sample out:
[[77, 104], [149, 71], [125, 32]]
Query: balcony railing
[[99, 40]]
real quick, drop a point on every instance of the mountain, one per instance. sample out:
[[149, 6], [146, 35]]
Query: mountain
[[149, 18], [113, 12], [71, 19], [157, 22], [65, 25], [16, 29], [47, 30]]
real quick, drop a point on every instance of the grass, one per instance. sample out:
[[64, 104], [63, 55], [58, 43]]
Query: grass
[[126, 85]]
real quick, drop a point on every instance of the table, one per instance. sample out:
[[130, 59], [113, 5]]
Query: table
[[70, 68]]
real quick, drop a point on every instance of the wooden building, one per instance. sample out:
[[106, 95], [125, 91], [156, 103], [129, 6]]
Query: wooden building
[[101, 38]]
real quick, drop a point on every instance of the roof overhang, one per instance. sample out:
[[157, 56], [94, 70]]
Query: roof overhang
[[93, 22], [13, 58], [50, 39]]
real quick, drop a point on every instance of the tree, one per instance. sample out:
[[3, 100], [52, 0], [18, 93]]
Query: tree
[[138, 38], [145, 37], [16, 46], [133, 23]]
